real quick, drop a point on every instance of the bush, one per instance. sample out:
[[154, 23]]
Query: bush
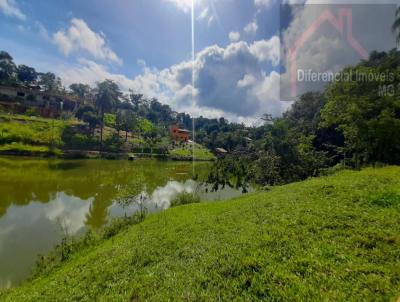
[[185, 198], [110, 120], [31, 112]]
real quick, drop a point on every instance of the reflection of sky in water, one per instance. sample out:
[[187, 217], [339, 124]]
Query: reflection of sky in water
[[32, 229], [161, 197], [27, 231]]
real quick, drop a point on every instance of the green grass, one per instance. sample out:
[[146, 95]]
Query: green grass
[[17, 148], [30, 130], [334, 238], [200, 153]]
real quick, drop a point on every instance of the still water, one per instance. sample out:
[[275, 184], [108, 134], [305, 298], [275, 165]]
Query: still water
[[40, 197]]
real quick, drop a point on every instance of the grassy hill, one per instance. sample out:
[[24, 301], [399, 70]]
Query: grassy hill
[[333, 238], [30, 135]]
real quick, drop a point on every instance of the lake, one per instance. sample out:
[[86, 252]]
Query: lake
[[39, 198]]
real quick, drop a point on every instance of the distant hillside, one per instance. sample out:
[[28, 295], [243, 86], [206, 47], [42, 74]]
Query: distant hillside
[[332, 238]]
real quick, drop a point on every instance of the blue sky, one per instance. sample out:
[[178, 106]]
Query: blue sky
[[145, 45], [131, 38]]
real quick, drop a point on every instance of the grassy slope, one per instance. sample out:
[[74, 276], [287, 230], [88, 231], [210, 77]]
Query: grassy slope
[[25, 134], [200, 153], [333, 238]]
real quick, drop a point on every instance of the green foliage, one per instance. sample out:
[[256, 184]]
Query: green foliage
[[8, 69], [368, 119], [186, 152], [386, 200], [31, 112], [184, 198], [80, 141], [318, 240], [22, 149], [26, 74], [144, 126], [81, 91], [266, 169], [50, 82], [34, 131], [109, 120]]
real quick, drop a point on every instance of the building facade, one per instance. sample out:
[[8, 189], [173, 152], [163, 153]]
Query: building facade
[[180, 135]]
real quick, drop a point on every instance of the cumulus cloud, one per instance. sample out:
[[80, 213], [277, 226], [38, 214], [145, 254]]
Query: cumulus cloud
[[267, 50], [251, 28], [229, 81], [10, 8], [234, 36], [79, 37]]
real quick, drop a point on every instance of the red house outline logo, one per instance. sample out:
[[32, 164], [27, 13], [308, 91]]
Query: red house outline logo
[[339, 24]]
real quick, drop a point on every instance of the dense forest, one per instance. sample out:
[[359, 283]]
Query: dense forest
[[352, 123]]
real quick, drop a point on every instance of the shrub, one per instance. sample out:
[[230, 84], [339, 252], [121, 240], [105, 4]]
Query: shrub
[[110, 120], [31, 112], [185, 198]]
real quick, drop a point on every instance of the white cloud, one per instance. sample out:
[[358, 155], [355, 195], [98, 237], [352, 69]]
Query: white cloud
[[234, 36], [267, 50], [229, 81], [9, 8], [185, 5], [79, 37], [266, 3], [251, 28]]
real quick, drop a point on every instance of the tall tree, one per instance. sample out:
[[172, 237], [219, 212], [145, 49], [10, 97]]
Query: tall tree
[[81, 91], [135, 99], [8, 70], [126, 121], [26, 74], [50, 82], [106, 99]]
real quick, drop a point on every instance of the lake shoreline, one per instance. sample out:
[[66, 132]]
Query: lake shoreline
[[90, 154]]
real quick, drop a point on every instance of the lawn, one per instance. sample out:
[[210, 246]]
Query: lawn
[[31, 130], [200, 153], [334, 238]]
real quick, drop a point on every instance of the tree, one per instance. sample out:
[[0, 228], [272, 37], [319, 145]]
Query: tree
[[8, 70], [126, 121], [81, 91], [91, 119], [106, 99], [50, 82], [26, 74], [368, 119], [135, 99], [83, 109]]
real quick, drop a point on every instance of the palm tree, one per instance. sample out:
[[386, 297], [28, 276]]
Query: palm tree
[[107, 98], [396, 26]]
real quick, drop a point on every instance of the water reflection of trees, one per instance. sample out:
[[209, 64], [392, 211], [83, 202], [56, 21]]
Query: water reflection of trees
[[25, 180]]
